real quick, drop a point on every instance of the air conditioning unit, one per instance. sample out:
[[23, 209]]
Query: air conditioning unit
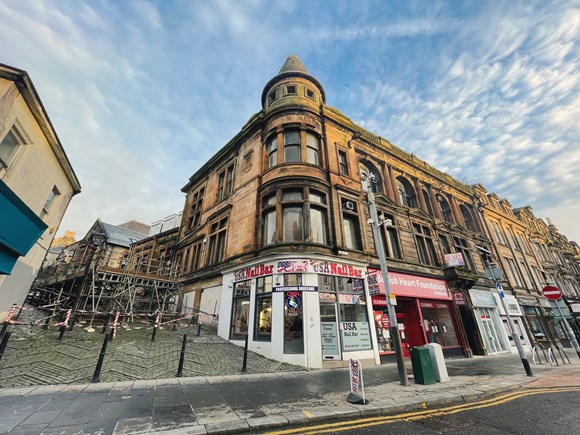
[[349, 205]]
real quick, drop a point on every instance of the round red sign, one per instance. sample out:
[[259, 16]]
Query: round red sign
[[552, 292]]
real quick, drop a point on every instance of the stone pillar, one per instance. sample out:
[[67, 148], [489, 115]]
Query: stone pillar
[[419, 193], [389, 183], [435, 204], [393, 181], [457, 215]]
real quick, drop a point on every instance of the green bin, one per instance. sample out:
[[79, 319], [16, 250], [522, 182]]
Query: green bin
[[422, 366]]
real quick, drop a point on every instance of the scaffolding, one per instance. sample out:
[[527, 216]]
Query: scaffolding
[[96, 281]]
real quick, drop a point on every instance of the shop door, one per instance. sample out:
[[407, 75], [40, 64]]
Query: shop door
[[490, 333], [403, 334], [329, 332]]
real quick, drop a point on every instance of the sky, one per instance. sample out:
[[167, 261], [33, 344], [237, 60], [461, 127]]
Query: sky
[[142, 93]]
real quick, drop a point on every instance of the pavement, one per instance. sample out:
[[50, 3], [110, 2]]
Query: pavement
[[257, 402]]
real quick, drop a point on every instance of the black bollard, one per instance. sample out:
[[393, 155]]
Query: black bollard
[[4, 343], [245, 363], [154, 333], [4, 328], [97, 373], [62, 329], [179, 373], [46, 323], [199, 329], [105, 324]]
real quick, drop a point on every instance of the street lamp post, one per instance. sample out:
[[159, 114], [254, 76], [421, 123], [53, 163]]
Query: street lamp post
[[394, 327], [511, 324]]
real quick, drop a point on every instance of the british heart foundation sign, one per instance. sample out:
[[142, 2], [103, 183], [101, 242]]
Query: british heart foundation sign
[[403, 284]]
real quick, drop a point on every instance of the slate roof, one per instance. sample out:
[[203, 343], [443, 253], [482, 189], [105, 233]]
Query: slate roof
[[121, 236]]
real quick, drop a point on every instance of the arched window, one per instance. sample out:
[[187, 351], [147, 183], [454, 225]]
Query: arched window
[[468, 218], [366, 168], [445, 209], [406, 193]]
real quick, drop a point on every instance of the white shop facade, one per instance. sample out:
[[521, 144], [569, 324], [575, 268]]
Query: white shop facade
[[312, 312]]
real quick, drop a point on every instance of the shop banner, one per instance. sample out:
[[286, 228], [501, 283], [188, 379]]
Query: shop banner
[[482, 299], [318, 266], [296, 288], [403, 284], [253, 272]]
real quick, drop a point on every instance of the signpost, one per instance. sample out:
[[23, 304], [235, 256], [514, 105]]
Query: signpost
[[554, 294]]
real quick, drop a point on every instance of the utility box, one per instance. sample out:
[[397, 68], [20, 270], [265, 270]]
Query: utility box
[[438, 362], [422, 366]]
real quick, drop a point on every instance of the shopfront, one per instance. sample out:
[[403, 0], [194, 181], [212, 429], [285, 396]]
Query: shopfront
[[424, 313], [534, 320], [486, 313], [300, 311], [516, 315]]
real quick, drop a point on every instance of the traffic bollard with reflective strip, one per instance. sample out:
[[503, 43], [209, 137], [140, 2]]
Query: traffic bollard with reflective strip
[[179, 373]]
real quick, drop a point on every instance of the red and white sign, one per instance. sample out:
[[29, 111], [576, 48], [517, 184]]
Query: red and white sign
[[551, 292], [356, 379], [403, 284], [458, 298], [454, 259]]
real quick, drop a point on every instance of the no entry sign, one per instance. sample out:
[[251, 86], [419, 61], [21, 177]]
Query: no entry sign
[[552, 292]]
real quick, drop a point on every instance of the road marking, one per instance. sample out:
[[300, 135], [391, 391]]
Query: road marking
[[418, 415], [307, 413]]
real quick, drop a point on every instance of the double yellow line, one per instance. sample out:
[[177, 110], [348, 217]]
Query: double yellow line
[[418, 415]]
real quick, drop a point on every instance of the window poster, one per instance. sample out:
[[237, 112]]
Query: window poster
[[355, 336], [329, 335]]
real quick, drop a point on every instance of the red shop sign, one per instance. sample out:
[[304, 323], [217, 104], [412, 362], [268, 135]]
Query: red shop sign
[[403, 284]]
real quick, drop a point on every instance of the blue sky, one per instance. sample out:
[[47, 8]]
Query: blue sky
[[142, 93]]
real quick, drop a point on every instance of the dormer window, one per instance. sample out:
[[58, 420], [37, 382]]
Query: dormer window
[[291, 89]]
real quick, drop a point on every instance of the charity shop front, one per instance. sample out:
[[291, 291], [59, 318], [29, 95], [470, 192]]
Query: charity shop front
[[424, 310]]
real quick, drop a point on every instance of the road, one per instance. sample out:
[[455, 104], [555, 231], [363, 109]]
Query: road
[[528, 412]]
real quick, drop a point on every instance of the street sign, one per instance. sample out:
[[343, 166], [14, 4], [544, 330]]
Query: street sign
[[500, 290], [552, 292]]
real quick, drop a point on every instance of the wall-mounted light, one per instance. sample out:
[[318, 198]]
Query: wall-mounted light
[[356, 135]]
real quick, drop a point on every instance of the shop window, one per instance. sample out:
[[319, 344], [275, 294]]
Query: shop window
[[349, 294], [272, 152], [292, 146], [438, 324], [468, 218], [406, 193], [9, 145], [350, 225], [304, 217], [390, 237], [312, 149], [425, 246], [293, 317], [240, 309], [533, 317], [225, 182], [263, 322], [217, 241], [195, 208], [342, 163], [446, 213], [462, 247]]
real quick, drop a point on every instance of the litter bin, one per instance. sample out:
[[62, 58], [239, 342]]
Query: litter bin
[[422, 367]]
